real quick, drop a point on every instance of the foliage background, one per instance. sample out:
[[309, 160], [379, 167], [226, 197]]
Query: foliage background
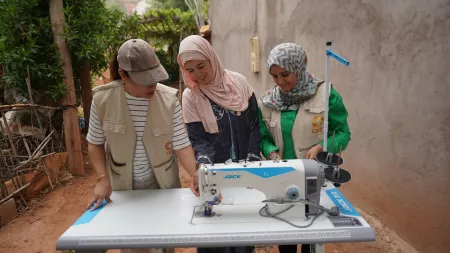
[[26, 41], [168, 4], [94, 31], [164, 29]]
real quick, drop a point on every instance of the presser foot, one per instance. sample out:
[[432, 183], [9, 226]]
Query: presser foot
[[207, 211]]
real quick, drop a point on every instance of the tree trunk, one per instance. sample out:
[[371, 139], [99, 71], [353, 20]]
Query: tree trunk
[[70, 117], [86, 93]]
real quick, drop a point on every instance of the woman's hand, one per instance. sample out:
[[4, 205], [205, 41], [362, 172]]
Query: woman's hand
[[102, 191], [194, 183], [274, 155], [312, 153]]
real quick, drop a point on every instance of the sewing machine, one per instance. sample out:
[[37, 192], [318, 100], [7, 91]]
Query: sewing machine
[[291, 192], [291, 186]]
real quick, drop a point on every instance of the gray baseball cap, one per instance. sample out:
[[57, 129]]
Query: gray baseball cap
[[138, 58]]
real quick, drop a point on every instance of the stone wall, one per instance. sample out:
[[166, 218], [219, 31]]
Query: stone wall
[[396, 91]]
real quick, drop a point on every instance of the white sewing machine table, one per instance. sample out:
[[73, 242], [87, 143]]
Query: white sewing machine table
[[161, 219]]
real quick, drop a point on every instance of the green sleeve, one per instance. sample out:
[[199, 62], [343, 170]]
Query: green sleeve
[[337, 123], [267, 144]]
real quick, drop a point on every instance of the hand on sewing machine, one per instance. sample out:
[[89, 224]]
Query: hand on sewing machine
[[312, 153], [194, 184], [274, 155]]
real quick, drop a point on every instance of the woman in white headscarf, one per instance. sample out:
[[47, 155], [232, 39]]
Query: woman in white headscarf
[[291, 113]]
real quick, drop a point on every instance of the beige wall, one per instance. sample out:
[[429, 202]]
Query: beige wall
[[396, 90]]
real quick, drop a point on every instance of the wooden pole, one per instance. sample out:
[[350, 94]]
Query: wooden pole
[[28, 81], [70, 117], [86, 93]]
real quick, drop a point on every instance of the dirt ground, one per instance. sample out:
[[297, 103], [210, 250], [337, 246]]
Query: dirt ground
[[37, 230]]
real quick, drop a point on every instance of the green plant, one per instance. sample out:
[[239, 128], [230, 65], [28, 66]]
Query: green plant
[[27, 43], [165, 29], [116, 5], [88, 32], [93, 34], [127, 27]]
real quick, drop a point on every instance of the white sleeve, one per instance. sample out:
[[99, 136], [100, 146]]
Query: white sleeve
[[95, 134], [180, 138]]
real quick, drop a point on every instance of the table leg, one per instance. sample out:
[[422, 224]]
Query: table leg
[[317, 248]]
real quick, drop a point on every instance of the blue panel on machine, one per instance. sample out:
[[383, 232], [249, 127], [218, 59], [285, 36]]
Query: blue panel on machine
[[341, 202], [261, 172]]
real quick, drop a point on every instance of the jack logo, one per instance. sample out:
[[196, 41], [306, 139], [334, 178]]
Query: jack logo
[[232, 177]]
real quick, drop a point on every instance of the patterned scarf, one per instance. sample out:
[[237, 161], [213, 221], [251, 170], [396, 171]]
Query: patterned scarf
[[292, 58]]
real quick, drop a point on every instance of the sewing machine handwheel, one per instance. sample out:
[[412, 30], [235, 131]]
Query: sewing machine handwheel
[[344, 176], [322, 158]]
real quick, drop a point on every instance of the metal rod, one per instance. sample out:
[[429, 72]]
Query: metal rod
[[342, 60], [327, 92], [338, 57]]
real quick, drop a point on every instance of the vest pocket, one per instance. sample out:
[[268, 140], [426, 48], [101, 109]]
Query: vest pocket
[[168, 174], [162, 130], [115, 166], [114, 127], [317, 109]]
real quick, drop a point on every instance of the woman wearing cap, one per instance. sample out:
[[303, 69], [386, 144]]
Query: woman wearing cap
[[220, 111], [291, 113], [141, 122]]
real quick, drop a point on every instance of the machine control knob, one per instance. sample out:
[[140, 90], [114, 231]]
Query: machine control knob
[[292, 193]]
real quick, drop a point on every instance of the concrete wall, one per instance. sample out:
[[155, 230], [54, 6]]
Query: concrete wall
[[396, 90]]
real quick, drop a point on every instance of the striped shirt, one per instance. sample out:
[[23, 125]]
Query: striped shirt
[[138, 107]]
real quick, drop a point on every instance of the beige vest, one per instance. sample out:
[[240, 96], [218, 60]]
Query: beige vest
[[307, 131], [116, 122]]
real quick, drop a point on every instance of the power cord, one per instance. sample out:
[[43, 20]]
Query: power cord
[[265, 212]]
